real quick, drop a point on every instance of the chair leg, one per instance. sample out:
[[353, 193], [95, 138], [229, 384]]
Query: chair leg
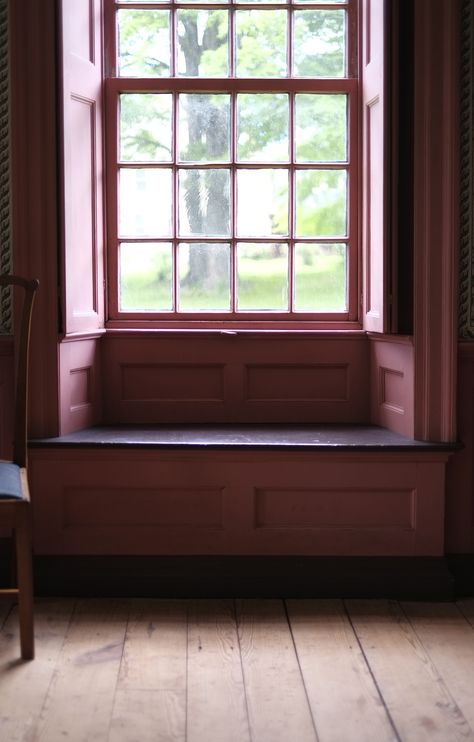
[[25, 583]]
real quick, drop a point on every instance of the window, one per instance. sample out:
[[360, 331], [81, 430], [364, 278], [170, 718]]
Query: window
[[232, 153]]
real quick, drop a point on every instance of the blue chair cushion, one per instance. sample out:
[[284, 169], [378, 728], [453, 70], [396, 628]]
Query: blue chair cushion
[[10, 482]]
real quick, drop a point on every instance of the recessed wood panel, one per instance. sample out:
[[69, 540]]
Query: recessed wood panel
[[79, 373], [285, 382], [126, 506], [142, 501], [80, 387], [240, 378], [392, 383], [82, 37], [163, 382], [81, 229], [392, 389], [351, 508]]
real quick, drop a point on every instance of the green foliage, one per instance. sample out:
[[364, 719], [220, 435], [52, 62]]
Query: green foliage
[[319, 43], [261, 43], [145, 127], [144, 43], [263, 127]]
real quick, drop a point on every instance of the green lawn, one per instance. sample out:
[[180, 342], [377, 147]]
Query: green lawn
[[320, 286]]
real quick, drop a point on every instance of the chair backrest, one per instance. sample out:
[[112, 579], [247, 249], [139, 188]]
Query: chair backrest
[[22, 331]]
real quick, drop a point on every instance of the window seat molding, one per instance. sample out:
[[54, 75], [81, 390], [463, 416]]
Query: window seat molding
[[315, 490]]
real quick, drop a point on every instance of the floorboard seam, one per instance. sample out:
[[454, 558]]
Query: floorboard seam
[[285, 607], [366, 659]]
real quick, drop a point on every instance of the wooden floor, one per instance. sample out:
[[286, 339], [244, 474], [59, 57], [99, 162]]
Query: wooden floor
[[240, 671]]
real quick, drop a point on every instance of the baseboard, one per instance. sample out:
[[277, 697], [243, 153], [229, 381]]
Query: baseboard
[[400, 578], [461, 567]]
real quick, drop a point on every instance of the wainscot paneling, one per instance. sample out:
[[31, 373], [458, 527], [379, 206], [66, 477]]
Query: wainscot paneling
[[80, 396], [151, 502], [392, 383], [6, 396], [239, 377]]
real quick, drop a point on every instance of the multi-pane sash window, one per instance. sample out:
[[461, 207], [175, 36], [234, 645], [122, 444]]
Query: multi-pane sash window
[[232, 160]]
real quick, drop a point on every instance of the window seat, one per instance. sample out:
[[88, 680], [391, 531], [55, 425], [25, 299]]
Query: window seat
[[266, 490], [279, 437]]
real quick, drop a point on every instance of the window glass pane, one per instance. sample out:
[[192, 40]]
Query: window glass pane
[[261, 43], [145, 202], [145, 127], [320, 278], [203, 43], [319, 43], [321, 128], [204, 277], [261, 1], [144, 43], [262, 276], [146, 270], [157, 2], [204, 127], [262, 202], [321, 203], [262, 127], [204, 198]]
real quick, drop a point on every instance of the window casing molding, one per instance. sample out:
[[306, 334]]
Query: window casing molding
[[241, 320]]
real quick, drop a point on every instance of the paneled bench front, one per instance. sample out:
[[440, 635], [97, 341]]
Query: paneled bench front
[[307, 490]]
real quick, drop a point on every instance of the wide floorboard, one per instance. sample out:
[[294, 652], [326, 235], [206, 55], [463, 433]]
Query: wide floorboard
[[239, 671]]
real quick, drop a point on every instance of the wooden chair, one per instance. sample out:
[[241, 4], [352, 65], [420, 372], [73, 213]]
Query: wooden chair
[[15, 509]]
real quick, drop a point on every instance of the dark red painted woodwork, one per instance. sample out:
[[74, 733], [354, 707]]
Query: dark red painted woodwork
[[405, 384], [374, 164], [105, 501]]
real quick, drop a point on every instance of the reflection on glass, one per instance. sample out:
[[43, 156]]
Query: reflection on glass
[[321, 127], [145, 202], [146, 274], [262, 276], [262, 202], [204, 198], [204, 277], [203, 49], [262, 127], [319, 43], [320, 277], [204, 127], [143, 43], [145, 127], [261, 43], [321, 203]]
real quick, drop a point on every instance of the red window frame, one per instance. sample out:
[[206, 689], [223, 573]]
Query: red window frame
[[349, 85]]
